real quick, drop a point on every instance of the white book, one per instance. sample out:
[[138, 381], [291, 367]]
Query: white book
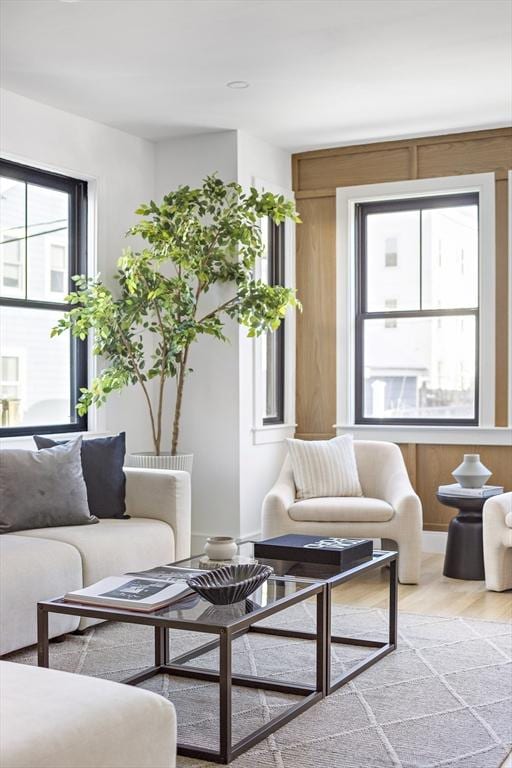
[[132, 592], [454, 489]]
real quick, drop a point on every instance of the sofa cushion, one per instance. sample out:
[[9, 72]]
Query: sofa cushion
[[102, 466], [341, 510], [33, 570], [114, 547], [53, 719], [324, 467], [43, 488]]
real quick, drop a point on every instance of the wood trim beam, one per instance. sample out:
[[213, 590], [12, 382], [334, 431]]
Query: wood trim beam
[[377, 146]]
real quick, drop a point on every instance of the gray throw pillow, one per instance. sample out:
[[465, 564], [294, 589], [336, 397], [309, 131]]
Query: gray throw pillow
[[43, 489]]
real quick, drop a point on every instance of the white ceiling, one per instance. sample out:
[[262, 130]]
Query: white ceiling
[[322, 72]]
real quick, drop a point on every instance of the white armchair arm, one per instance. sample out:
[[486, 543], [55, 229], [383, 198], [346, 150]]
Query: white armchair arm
[[497, 533], [162, 494], [383, 475], [275, 520]]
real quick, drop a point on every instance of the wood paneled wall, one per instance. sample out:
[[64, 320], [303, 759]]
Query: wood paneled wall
[[316, 175]]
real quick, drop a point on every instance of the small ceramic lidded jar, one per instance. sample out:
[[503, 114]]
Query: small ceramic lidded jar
[[471, 473], [220, 548]]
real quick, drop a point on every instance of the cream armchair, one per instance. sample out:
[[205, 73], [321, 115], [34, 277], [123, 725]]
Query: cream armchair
[[389, 508], [497, 531]]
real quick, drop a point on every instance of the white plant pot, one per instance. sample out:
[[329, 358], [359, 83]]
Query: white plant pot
[[148, 460], [471, 473]]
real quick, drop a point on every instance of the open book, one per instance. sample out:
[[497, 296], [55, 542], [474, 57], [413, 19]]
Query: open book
[[144, 591]]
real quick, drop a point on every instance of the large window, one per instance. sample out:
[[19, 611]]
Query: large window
[[272, 272], [417, 311], [42, 243]]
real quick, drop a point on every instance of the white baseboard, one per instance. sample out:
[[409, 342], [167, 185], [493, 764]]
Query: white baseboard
[[198, 542], [434, 541]]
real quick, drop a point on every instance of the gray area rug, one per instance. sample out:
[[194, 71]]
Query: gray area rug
[[444, 698]]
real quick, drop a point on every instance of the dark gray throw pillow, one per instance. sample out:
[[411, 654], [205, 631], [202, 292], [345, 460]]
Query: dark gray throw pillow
[[43, 489], [102, 465]]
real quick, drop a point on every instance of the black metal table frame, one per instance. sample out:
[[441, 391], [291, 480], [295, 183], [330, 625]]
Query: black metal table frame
[[382, 648], [224, 677]]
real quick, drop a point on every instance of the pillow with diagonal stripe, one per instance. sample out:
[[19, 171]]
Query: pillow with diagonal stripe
[[324, 467]]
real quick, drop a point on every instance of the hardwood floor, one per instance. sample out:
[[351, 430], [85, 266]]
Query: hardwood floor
[[435, 594]]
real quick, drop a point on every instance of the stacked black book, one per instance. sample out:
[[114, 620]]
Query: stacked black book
[[344, 553]]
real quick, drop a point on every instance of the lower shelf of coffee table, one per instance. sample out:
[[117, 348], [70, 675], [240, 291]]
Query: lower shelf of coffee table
[[309, 694]]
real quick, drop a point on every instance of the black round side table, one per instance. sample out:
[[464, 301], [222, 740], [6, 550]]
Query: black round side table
[[464, 558]]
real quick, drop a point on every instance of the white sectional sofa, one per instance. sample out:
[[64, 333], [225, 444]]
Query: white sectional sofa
[[53, 719], [47, 562]]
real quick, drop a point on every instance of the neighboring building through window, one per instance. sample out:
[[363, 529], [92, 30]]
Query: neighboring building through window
[[42, 242], [12, 266], [426, 370], [10, 388], [391, 252], [272, 272], [9, 376], [57, 268], [390, 304]]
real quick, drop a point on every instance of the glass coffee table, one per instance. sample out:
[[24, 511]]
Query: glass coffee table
[[291, 584], [227, 623], [331, 576]]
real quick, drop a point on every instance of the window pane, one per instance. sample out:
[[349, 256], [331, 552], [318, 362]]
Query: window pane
[[40, 393], [12, 238], [47, 243], [450, 257], [265, 253], [272, 361], [424, 368], [393, 260], [270, 367]]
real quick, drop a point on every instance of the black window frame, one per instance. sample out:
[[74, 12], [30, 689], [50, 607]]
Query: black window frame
[[77, 255], [276, 276], [362, 210]]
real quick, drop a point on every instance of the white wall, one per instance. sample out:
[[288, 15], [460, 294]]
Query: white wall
[[120, 171], [210, 406], [231, 474], [259, 463]]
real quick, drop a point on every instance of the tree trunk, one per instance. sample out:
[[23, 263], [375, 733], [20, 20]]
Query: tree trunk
[[179, 399]]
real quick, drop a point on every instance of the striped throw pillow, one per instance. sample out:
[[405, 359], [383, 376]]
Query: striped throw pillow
[[324, 467]]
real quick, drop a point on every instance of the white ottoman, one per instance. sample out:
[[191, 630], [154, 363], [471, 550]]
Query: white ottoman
[[33, 570], [52, 719]]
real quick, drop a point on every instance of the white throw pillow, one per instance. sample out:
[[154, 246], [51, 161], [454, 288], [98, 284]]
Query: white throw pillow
[[324, 467]]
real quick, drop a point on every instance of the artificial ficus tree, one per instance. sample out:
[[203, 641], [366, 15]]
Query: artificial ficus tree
[[144, 328]]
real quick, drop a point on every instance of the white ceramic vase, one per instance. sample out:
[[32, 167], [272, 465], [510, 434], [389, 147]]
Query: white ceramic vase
[[183, 461], [220, 548], [471, 473]]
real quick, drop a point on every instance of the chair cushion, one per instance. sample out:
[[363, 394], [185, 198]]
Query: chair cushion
[[341, 510], [113, 547], [53, 719]]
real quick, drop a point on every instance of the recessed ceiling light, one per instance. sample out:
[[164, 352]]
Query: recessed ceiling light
[[238, 84]]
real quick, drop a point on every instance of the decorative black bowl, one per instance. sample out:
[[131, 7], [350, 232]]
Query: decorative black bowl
[[230, 584]]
